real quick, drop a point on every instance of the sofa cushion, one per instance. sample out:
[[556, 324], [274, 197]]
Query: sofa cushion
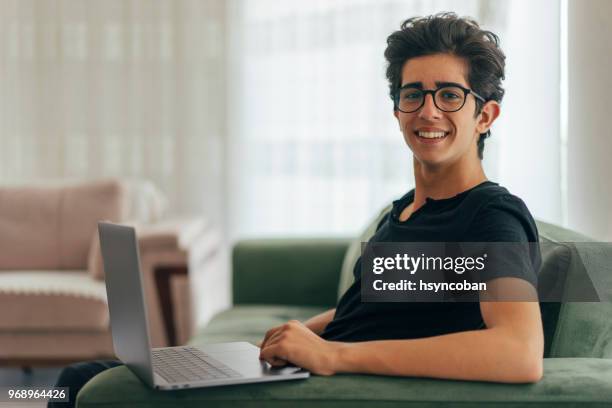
[[584, 329], [571, 382], [51, 227], [354, 252], [581, 329], [52, 301], [250, 323]]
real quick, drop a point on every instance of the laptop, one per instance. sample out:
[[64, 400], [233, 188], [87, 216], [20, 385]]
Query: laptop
[[169, 368]]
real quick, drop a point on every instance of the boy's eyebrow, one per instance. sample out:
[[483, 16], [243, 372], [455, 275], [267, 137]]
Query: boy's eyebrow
[[438, 84], [412, 85], [441, 84]]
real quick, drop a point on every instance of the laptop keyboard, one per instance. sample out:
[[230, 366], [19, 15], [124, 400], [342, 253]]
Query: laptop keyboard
[[186, 364]]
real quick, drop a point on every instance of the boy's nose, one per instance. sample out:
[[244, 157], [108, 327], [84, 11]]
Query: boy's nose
[[429, 109]]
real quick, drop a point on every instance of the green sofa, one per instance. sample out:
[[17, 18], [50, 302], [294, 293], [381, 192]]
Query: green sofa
[[278, 280]]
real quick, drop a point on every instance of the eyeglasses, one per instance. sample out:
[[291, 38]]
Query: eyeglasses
[[447, 98]]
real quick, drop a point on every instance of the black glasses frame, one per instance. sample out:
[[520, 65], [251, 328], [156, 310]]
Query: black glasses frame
[[466, 92]]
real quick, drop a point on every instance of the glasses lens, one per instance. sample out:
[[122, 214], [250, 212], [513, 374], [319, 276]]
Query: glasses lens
[[450, 98], [409, 99]]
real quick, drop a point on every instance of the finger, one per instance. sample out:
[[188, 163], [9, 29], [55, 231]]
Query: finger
[[268, 334], [273, 340], [274, 355], [276, 337], [277, 362]]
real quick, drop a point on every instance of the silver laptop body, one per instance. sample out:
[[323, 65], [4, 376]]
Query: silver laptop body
[[169, 368]]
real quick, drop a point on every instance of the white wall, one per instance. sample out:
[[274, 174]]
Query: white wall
[[525, 143], [589, 149]]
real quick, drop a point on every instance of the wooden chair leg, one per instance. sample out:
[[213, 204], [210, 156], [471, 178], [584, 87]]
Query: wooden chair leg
[[162, 282]]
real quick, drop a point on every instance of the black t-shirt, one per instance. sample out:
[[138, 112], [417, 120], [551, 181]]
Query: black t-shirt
[[485, 213]]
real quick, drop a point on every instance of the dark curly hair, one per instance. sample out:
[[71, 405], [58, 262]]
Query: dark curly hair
[[447, 33]]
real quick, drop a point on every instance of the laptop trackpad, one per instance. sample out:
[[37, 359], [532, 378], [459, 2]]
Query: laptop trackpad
[[246, 361]]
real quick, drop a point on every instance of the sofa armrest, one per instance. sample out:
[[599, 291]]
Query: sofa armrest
[[165, 251], [170, 235], [174, 234], [288, 271], [567, 382]]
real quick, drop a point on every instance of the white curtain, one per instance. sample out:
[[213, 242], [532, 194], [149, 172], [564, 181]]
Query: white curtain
[[128, 88], [527, 136], [270, 116], [587, 113], [314, 144]]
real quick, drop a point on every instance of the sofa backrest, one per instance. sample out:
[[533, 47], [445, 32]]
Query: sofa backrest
[[573, 329], [51, 227], [581, 329], [354, 252]]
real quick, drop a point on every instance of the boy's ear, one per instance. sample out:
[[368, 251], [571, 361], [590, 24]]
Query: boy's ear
[[396, 114], [489, 113]]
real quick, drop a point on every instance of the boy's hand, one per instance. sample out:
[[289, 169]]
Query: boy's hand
[[295, 343]]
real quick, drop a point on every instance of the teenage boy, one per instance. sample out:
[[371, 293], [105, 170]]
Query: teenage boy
[[444, 75]]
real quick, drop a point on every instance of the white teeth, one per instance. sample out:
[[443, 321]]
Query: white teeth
[[432, 135]]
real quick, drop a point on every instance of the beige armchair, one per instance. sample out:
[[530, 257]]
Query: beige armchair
[[53, 306]]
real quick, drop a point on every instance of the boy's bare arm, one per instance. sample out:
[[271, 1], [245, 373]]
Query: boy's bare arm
[[509, 349], [318, 323]]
